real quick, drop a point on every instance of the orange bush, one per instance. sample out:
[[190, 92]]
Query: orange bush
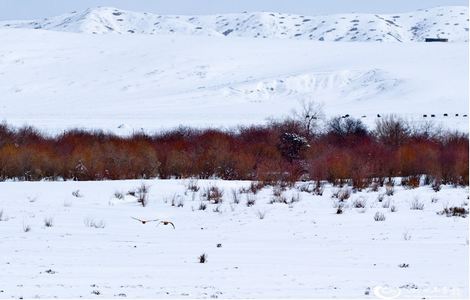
[[278, 151]]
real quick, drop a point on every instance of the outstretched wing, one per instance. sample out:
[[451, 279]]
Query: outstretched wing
[[172, 225], [142, 221]]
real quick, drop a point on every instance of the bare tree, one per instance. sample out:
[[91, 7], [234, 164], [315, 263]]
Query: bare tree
[[342, 127], [392, 130], [426, 129], [309, 114]]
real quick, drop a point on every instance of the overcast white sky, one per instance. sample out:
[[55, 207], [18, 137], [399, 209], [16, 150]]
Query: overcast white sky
[[29, 9]]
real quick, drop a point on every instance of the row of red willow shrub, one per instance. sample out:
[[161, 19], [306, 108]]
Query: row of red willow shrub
[[280, 150]]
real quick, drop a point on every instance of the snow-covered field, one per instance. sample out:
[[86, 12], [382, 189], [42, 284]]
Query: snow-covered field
[[302, 249], [58, 77]]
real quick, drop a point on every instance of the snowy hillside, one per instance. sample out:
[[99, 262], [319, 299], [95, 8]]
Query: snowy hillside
[[56, 80], [445, 22], [217, 70]]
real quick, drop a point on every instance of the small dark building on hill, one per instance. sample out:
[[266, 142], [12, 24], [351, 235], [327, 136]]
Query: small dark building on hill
[[429, 40]]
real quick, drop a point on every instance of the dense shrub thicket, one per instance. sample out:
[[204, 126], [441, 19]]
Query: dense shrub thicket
[[345, 150]]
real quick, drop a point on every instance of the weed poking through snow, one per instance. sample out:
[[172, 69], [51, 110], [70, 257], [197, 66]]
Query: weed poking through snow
[[202, 258], [339, 209], [380, 197], [213, 194], [386, 203], [235, 196], [26, 228], [77, 194], [454, 212], [118, 195], [406, 236], [217, 209], [202, 206], [342, 194], [48, 222], [89, 222], [389, 190], [192, 186], [261, 214], [250, 200], [416, 204], [360, 202], [379, 217], [142, 194]]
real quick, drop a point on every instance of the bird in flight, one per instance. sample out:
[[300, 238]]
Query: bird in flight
[[168, 222], [160, 222], [145, 221]]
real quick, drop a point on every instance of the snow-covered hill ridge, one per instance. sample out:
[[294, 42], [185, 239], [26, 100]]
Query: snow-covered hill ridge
[[449, 22], [103, 81]]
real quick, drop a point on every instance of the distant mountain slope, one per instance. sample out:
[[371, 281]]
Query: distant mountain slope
[[55, 80], [445, 22]]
